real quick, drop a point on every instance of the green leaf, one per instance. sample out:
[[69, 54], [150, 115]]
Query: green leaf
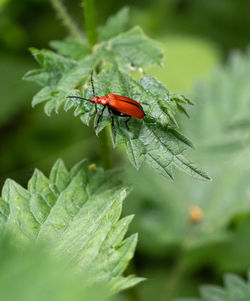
[[27, 272], [154, 140], [4, 210], [77, 213], [235, 289], [224, 201], [72, 48], [60, 74], [57, 92], [52, 67], [114, 25], [134, 48], [163, 151], [218, 112]]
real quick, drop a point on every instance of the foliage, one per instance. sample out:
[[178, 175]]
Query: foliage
[[211, 19], [11, 102], [201, 56], [77, 212], [223, 108], [235, 289], [164, 218], [177, 251], [156, 140], [115, 24], [31, 272], [219, 204]]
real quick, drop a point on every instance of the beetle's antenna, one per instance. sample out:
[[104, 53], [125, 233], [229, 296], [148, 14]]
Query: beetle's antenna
[[78, 97], [92, 83]]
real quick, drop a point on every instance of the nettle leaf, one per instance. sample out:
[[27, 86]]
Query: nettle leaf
[[235, 289], [222, 108], [155, 139], [166, 221], [27, 272], [133, 49], [4, 210], [77, 213], [72, 48], [60, 73], [52, 67], [55, 93], [114, 25]]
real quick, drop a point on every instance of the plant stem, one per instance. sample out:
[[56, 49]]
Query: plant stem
[[90, 27], [66, 18], [105, 149], [174, 278], [90, 21]]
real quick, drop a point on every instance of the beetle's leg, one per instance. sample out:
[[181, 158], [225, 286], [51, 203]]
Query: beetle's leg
[[115, 112], [112, 121], [96, 111], [99, 117], [126, 122]]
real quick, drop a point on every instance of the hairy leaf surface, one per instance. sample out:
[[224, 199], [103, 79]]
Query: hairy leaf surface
[[114, 25], [77, 213], [235, 289], [30, 273], [223, 201], [155, 139]]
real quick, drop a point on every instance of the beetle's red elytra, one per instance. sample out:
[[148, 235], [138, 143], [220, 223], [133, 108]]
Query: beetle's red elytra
[[116, 104], [122, 104]]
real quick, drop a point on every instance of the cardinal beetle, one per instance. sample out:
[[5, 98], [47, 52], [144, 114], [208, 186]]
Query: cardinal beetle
[[117, 105]]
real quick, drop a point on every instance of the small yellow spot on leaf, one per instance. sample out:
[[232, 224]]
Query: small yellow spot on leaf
[[195, 214], [92, 166]]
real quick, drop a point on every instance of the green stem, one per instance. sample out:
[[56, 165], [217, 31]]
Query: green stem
[[66, 19], [180, 267], [174, 279], [105, 149], [90, 21], [90, 27]]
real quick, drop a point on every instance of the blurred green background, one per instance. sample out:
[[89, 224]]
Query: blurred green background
[[206, 58]]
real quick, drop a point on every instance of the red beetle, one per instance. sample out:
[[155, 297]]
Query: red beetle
[[116, 104]]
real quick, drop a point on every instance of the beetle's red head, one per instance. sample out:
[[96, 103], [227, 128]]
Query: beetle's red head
[[95, 99]]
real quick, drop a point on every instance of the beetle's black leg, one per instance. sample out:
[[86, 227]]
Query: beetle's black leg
[[99, 117], [96, 111], [126, 122], [112, 121]]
